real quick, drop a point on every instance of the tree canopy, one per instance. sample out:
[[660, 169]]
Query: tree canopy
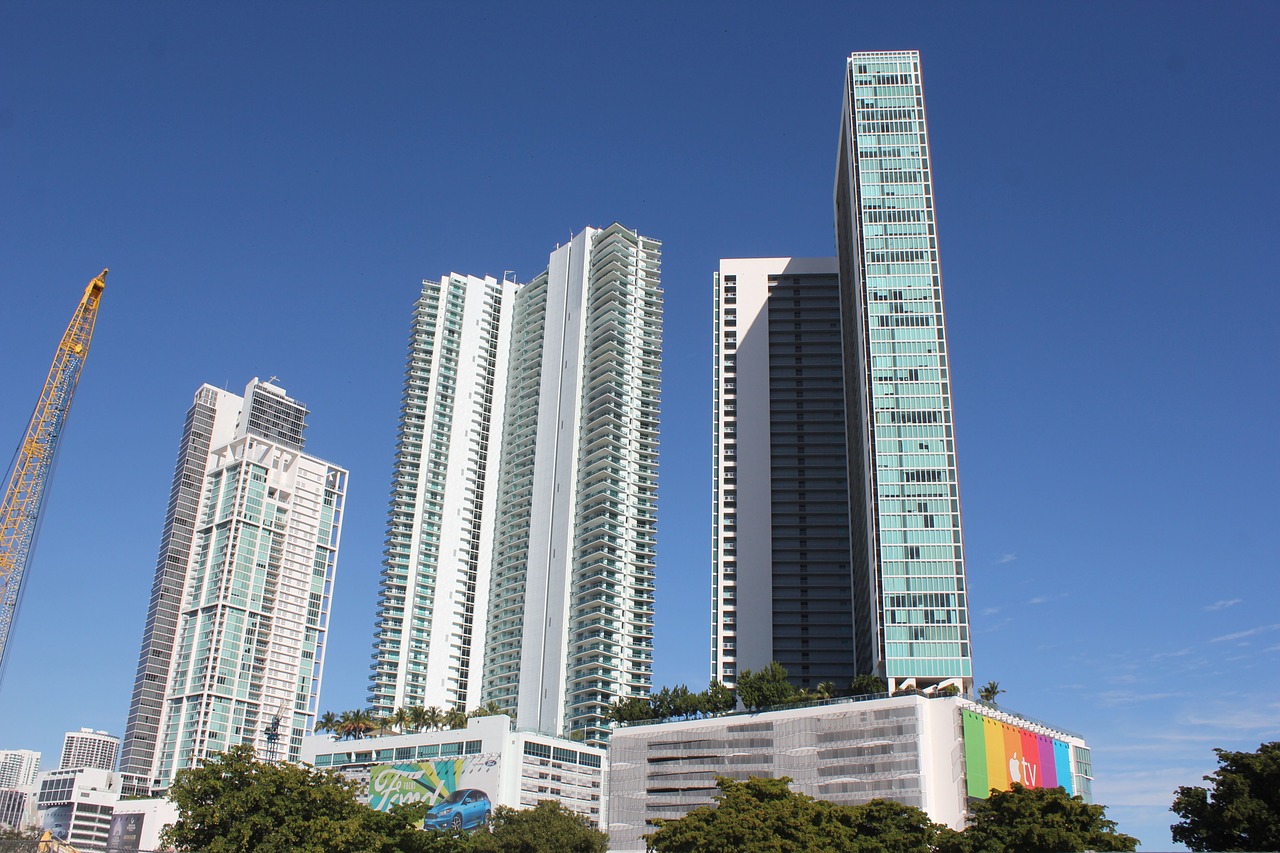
[[234, 803], [1036, 820], [766, 816], [765, 688], [548, 827], [1240, 810]]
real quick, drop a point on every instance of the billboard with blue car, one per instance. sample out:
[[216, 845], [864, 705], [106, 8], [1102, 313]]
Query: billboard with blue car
[[457, 789]]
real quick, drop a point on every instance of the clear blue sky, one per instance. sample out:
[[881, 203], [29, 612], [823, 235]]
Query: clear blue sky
[[269, 183]]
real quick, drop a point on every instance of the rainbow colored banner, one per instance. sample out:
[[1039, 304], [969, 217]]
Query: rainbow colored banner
[[997, 754]]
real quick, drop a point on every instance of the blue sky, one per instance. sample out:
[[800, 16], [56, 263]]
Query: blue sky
[[270, 182]]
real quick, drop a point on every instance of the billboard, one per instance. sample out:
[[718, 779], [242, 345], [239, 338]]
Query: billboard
[[461, 791], [126, 833], [997, 754]]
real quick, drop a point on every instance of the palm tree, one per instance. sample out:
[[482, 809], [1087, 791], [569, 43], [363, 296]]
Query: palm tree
[[825, 690], [355, 724], [433, 718], [328, 722], [488, 709], [989, 691], [418, 718], [401, 720], [455, 718]]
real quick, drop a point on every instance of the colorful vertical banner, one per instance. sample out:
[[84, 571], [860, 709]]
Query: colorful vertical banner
[[997, 754]]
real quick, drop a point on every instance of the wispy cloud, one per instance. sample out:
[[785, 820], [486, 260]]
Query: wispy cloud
[[1045, 599], [990, 611], [1258, 720], [1006, 558], [1251, 632], [1223, 604], [1112, 698], [1178, 654]]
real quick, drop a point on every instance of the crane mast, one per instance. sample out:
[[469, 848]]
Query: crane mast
[[28, 480]]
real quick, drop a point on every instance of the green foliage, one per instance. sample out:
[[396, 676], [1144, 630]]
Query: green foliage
[[1036, 820], [671, 702], [766, 688], [1241, 808], [548, 827], [867, 684], [765, 816], [949, 690], [233, 803], [488, 709], [720, 698], [989, 691]]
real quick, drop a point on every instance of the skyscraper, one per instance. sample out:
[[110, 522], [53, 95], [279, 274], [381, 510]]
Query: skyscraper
[[87, 748], [435, 573], [555, 463], [234, 642], [18, 768], [906, 611]]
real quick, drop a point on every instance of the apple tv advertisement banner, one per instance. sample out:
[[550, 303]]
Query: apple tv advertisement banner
[[997, 754]]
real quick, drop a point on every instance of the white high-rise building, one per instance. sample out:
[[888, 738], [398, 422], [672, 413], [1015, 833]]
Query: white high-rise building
[[235, 637], [435, 571], [18, 767], [531, 415], [87, 748]]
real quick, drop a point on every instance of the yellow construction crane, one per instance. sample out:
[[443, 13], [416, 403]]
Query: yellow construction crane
[[28, 480]]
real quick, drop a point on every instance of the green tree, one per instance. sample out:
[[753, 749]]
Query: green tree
[[720, 698], [455, 718], [989, 691], [548, 827], [488, 709], [765, 688], [1036, 820], [433, 718], [355, 724], [1240, 810], [234, 803], [867, 685], [765, 816], [328, 722]]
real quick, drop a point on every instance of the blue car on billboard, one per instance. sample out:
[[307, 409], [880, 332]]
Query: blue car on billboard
[[465, 808]]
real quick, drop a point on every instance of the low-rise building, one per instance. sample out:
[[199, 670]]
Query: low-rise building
[[932, 753], [77, 805], [137, 824], [467, 773]]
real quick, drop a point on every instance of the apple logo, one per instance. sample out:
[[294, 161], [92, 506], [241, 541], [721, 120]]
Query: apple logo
[[1015, 769]]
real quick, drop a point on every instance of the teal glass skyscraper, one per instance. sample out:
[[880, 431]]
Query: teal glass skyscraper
[[910, 614], [837, 549]]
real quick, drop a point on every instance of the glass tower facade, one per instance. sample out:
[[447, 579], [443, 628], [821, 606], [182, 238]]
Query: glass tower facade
[[234, 644], [911, 614], [837, 546]]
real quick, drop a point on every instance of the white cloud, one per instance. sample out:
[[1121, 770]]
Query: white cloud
[[1223, 604], [1240, 635], [1112, 698], [1006, 558], [990, 611]]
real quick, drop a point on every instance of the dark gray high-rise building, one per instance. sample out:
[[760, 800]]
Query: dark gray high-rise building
[[838, 548]]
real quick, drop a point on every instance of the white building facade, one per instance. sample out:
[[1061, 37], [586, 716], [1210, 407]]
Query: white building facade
[[89, 748], [510, 768], [18, 767], [520, 556], [245, 632], [931, 753], [77, 805], [433, 597]]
